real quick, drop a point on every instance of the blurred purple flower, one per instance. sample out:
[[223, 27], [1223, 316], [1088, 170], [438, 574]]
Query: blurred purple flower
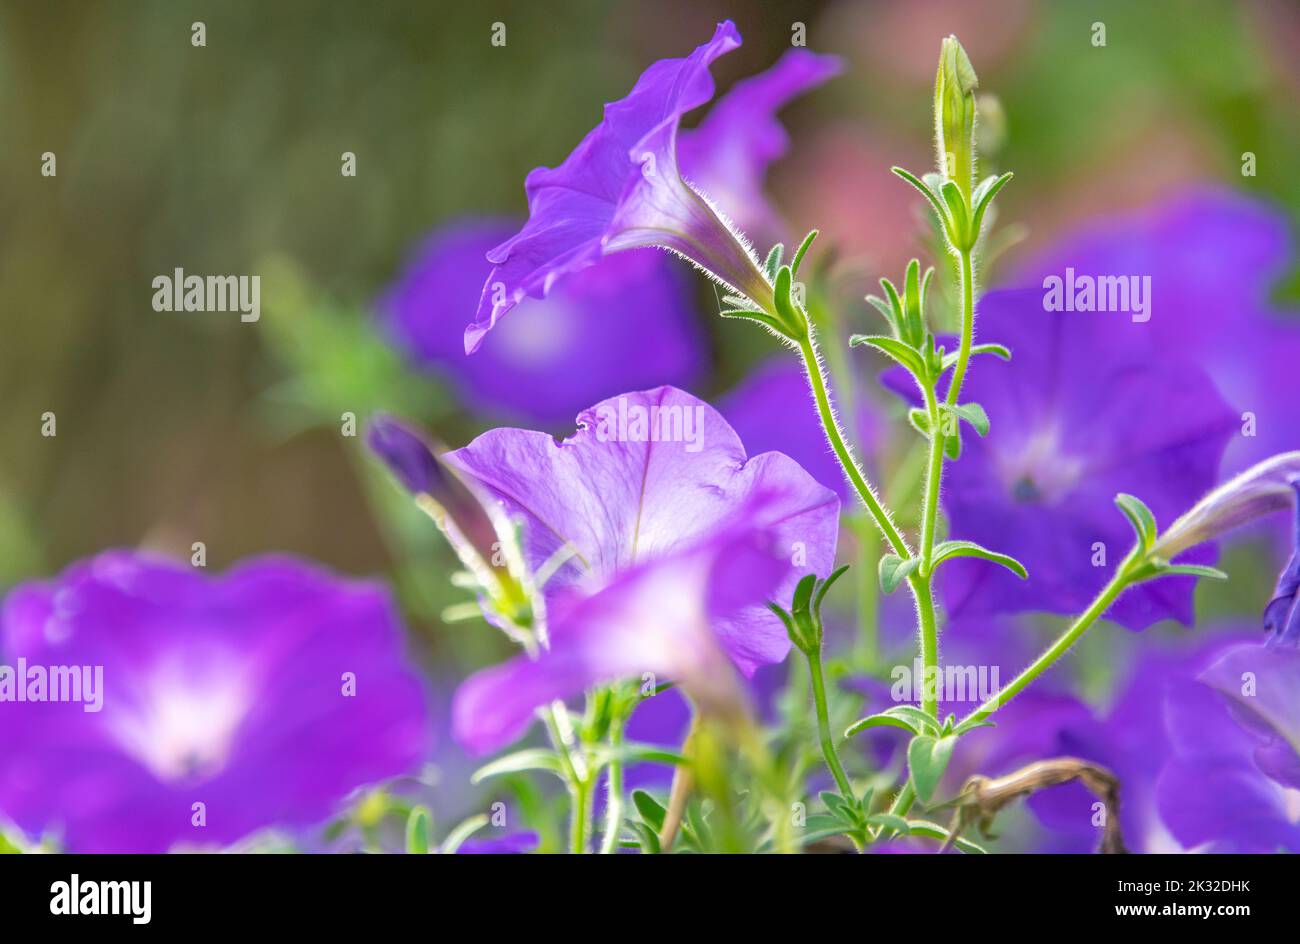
[[1212, 257], [1132, 739], [1232, 783], [622, 187], [625, 322], [1282, 616], [646, 475], [771, 409], [267, 695], [512, 844], [1076, 419], [728, 154]]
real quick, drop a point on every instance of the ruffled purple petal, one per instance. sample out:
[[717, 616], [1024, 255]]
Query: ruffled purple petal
[[629, 158], [645, 475], [652, 621], [728, 154]]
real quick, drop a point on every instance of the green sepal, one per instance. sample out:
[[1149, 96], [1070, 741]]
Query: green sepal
[[1141, 518], [984, 195], [1192, 570], [773, 260], [802, 251]]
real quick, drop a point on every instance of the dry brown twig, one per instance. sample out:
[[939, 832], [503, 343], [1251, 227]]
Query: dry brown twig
[[982, 798]]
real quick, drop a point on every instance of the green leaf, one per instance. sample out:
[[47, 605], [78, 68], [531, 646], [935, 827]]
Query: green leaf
[[997, 350], [970, 724], [894, 570], [927, 759], [972, 413], [802, 250], [921, 827], [651, 810], [1192, 570], [418, 825], [908, 717], [888, 821], [947, 549], [839, 807], [898, 350], [1140, 517], [821, 826], [456, 838], [634, 753], [530, 758], [647, 838]]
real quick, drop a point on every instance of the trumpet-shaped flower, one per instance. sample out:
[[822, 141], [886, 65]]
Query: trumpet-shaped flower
[[623, 187], [647, 475]]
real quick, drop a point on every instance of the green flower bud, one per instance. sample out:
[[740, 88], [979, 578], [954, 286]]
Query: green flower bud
[[954, 115]]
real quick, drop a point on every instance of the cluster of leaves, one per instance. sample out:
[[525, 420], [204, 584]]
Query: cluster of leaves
[[785, 316]]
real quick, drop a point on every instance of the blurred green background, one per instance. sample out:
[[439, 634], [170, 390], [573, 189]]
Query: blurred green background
[[175, 428]]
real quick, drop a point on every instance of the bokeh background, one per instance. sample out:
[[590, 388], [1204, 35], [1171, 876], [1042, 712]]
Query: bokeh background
[[175, 428]]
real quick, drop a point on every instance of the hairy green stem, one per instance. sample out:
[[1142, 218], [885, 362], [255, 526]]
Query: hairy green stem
[[817, 382], [824, 724], [576, 777], [967, 326], [1118, 583], [614, 801]]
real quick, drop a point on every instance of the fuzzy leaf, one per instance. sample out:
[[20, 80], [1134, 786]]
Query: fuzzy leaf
[[894, 570], [947, 549]]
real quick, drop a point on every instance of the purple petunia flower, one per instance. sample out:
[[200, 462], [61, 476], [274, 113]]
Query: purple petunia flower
[[1075, 420], [257, 699], [1132, 739], [654, 622], [623, 188], [624, 322], [1211, 257], [1232, 783], [648, 474], [652, 506], [728, 154]]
